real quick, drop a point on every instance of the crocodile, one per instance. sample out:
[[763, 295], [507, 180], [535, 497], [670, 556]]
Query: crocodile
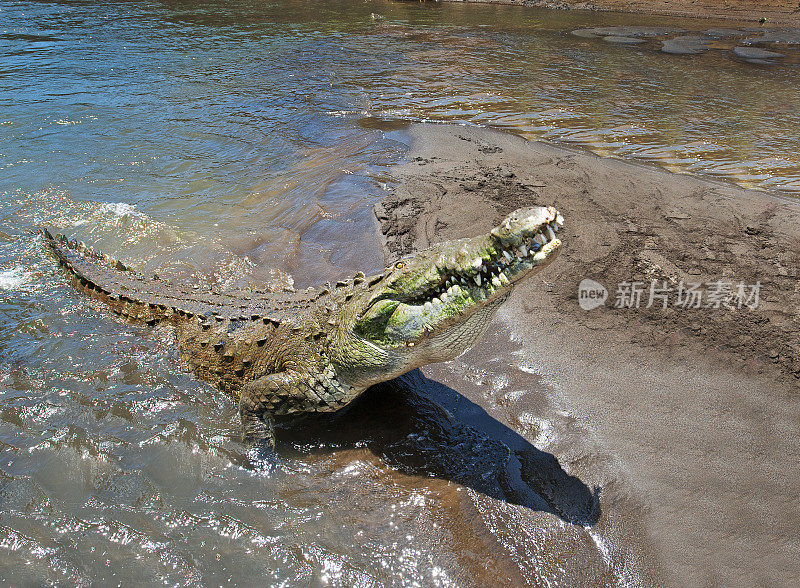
[[289, 352]]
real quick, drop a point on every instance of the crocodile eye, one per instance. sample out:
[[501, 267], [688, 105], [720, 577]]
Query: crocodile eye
[[400, 265]]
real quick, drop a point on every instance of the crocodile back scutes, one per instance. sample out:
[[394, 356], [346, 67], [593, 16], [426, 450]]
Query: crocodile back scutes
[[152, 299]]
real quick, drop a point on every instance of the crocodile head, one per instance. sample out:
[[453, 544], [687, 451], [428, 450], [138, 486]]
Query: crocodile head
[[432, 306]]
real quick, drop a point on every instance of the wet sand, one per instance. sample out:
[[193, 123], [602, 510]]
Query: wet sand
[[775, 12], [686, 419]]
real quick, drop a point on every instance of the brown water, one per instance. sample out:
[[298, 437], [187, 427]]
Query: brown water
[[245, 141]]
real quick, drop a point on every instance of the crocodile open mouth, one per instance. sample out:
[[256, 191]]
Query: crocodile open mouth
[[485, 277], [448, 283]]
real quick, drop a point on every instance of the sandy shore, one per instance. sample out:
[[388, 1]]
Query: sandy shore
[[686, 418], [774, 12]]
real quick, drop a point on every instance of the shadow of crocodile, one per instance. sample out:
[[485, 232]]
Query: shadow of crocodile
[[410, 422]]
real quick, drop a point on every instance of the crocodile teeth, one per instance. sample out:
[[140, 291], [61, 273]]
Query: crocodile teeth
[[542, 238], [496, 282], [427, 306], [478, 280], [436, 302], [550, 233], [523, 251], [507, 255], [504, 280], [559, 220]]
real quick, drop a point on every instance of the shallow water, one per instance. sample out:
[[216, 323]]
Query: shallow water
[[247, 141]]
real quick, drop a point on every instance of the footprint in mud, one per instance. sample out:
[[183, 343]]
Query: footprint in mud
[[490, 149]]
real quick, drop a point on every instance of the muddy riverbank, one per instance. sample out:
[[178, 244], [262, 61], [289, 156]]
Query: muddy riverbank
[[690, 415], [774, 12]]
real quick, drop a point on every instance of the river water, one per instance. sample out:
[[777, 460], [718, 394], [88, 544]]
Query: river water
[[244, 141]]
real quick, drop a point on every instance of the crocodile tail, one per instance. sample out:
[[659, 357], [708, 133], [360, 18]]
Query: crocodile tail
[[106, 279], [152, 299]]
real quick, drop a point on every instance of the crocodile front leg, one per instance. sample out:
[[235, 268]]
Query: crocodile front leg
[[257, 425], [263, 397]]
